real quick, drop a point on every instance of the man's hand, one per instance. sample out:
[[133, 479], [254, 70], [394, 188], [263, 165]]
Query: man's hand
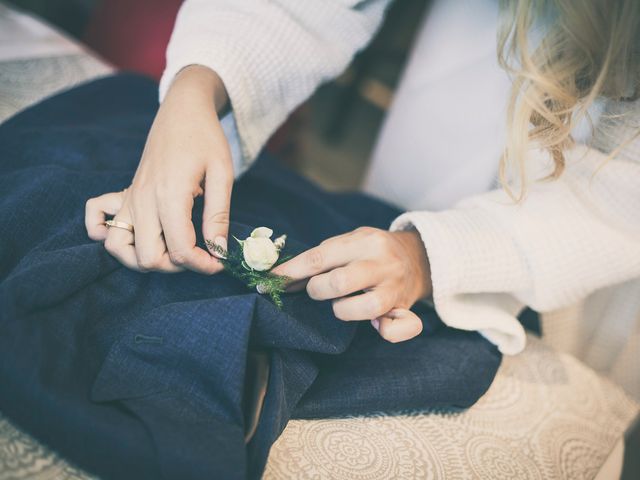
[[370, 274]]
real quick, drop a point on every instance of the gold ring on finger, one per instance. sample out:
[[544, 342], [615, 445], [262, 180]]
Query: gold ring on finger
[[119, 224]]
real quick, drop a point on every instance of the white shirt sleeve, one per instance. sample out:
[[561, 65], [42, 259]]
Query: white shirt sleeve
[[271, 55], [570, 237]]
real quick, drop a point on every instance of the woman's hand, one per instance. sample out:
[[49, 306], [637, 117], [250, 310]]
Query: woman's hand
[[370, 274], [186, 155]]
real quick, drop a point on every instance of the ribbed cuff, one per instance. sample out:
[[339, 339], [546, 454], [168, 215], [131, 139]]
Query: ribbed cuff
[[474, 265]]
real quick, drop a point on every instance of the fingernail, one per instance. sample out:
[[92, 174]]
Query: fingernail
[[221, 243], [376, 324]]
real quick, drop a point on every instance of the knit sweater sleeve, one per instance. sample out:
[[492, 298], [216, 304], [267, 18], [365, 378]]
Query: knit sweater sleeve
[[270, 54], [569, 237]]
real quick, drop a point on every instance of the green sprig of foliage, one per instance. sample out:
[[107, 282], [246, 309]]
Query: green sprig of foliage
[[270, 284]]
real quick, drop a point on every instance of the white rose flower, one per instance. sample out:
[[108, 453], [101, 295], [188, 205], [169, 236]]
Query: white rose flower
[[259, 251], [261, 232]]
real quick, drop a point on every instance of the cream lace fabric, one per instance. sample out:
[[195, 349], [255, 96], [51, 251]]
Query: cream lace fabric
[[545, 416]]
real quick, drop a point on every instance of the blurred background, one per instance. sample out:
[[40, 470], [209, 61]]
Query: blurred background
[[328, 139]]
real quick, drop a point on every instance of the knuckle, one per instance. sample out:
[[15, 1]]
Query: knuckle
[[312, 288], [375, 238], [380, 240], [137, 198], [374, 306], [365, 230], [179, 257], [111, 245], [149, 262], [90, 204], [142, 197], [93, 235], [163, 190], [339, 282], [218, 217], [315, 260]]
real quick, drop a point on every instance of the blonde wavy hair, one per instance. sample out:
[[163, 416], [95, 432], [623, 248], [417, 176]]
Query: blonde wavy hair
[[589, 49]]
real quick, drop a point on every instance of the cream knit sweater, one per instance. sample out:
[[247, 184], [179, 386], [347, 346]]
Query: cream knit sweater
[[489, 257]]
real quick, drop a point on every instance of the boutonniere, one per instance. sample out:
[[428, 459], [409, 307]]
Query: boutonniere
[[253, 261]]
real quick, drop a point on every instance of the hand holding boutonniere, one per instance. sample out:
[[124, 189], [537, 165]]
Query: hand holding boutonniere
[[253, 261], [367, 274]]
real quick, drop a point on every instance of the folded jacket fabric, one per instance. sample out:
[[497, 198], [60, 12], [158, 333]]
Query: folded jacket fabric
[[134, 375]]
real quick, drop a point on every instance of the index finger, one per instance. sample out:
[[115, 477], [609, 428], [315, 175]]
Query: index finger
[[333, 253], [180, 237]]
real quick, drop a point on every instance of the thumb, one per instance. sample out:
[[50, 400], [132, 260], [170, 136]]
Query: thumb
[[398, 325], [215, 218]]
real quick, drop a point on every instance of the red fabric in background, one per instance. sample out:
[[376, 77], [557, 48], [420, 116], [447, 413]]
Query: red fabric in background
[[133, 34]]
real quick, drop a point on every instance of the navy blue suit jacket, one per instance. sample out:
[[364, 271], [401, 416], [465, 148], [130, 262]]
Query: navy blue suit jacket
[[140, 376]]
